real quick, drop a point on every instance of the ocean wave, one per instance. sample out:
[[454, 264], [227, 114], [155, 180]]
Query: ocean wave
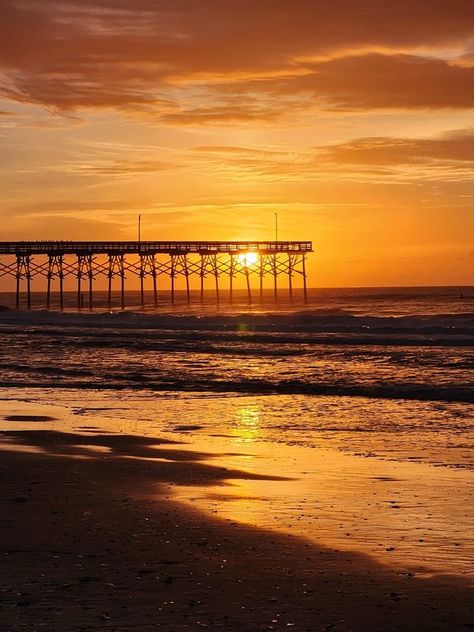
[[418, 357], [458, 324], [421, 392]]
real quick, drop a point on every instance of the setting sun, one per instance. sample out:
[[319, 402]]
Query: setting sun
[[248, 258]]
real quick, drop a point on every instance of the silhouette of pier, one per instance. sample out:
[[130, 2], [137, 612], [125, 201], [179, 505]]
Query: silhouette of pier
[[87, 261]]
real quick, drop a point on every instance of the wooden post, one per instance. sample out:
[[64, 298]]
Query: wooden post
[[202, 278], [290, 280], [28, 284], [79, 277], [81, 263], [305, 291], [186, 273], [23, 270], [231, 278], [110, 282], [142, 282], [18, 276], [59, 263], [216, 274], [48, 288], [275, 286], [261, 277], [122, 282], [172, 279], [91, 277], [249, 293], [155, 288]]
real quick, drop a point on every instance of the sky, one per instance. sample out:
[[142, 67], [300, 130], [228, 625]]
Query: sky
[[353, 119]]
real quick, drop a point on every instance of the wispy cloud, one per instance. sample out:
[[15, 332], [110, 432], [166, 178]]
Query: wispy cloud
[[447, 157]]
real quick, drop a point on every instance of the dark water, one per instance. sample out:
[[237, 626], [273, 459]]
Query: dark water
[[386, 343]]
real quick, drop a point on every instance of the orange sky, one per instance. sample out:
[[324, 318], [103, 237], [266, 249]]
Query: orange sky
[[351, 118]]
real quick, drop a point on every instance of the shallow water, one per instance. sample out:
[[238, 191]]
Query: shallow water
[[391, 503], [437, 433]]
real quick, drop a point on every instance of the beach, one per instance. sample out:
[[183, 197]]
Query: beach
[[107, 530], [247, 472]]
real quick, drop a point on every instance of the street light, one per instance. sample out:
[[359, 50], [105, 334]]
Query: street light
[[139, 229], [276, 226]]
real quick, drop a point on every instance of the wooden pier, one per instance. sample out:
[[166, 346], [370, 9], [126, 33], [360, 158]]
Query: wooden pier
[[87, 261]]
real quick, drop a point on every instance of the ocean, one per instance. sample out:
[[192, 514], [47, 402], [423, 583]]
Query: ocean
[[371, 371]]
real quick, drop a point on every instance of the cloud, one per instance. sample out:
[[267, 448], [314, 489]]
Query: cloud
[[390, 82], [223, 114], [450, 149], [380, 159], [217, 62], [114, 168], [371, 82]]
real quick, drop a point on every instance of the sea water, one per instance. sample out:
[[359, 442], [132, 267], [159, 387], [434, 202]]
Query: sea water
[[385, 372]]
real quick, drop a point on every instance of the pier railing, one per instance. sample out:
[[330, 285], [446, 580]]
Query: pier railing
[[158, 247]]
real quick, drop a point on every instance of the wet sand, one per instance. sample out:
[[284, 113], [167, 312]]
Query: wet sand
[[130, 532]]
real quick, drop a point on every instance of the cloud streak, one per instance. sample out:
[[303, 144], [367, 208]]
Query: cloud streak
[[380, 159]]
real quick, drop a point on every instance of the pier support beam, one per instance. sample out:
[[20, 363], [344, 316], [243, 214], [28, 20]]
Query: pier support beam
[[275, 277], [85, 269], [201, 275], [247, 278], [55, 270], [215, 264], [172, 276], [155, 282], [23, 272], [231, 278], [116, 267], [305, 290], [290, 276], [147, 267], [186, 274], [142, 282]]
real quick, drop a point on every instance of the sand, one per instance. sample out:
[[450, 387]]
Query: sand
[[129, 532]]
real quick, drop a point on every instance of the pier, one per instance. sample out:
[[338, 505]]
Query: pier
[[162, 262]]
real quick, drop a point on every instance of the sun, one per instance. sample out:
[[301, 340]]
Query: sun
[[248, 258]]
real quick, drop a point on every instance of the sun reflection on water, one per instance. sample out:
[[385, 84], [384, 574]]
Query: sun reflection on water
[[247, 427]]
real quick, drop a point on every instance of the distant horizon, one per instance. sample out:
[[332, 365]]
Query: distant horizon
[[282, 289]]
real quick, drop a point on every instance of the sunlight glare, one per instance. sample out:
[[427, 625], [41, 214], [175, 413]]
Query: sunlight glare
[[248, 258]]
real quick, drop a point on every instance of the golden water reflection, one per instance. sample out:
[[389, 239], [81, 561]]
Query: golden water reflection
[[247, 427]]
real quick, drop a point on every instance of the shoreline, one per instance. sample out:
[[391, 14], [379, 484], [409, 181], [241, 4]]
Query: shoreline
[[120, 531]]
